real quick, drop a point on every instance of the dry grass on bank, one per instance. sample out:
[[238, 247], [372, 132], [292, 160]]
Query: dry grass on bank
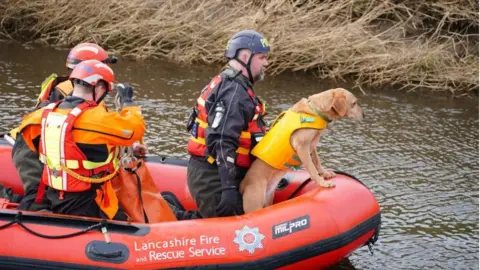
[[413, 43]]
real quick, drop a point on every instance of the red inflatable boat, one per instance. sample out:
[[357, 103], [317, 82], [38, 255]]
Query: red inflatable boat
[[308, 227]]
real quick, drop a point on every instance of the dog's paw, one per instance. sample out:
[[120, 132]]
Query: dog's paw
[[326, 184], [328, 173], [321, 182]]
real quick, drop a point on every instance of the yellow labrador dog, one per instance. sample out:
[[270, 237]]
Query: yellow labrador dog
[[259, 184]]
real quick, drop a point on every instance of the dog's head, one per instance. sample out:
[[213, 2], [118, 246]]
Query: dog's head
[[337, 103]]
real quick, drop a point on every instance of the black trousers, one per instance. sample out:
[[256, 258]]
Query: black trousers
[[205, 185], [83, 204], [79, 203]]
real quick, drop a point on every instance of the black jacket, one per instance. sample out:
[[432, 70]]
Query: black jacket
[[239, 109]]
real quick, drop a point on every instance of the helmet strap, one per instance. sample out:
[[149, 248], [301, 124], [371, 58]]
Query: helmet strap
[[247, 66], [100, 99], [77, 81], [102, 96]]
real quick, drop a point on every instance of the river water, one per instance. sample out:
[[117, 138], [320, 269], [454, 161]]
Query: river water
[[417, 153]]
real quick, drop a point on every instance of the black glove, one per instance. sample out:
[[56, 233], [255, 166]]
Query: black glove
[[231, 202], [125, 92]]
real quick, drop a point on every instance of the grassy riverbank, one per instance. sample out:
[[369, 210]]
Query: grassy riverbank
[[414, 43]]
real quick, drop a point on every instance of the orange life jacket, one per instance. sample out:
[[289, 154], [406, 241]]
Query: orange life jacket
[[196, 144], [66, 166], [94, 126]]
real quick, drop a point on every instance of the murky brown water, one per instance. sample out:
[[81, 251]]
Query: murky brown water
[[418, 154]]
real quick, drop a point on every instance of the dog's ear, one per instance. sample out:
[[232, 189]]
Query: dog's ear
[[339, 104]]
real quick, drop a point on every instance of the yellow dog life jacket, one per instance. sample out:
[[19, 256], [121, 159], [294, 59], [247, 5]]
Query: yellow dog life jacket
[[275, 148]]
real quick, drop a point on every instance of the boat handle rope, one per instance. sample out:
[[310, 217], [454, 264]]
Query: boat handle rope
[[370, 247], [371, 242], [17, 219]]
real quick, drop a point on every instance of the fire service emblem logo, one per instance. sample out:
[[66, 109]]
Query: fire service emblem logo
[[249, 239]]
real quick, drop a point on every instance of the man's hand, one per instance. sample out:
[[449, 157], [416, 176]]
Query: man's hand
[[125, 92], [231, 203], [139, 150]]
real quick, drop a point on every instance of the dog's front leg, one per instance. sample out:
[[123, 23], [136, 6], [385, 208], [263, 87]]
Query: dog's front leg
[[327, 173], [303, 154]]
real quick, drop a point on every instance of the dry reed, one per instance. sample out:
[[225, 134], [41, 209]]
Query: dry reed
[[414, 43]]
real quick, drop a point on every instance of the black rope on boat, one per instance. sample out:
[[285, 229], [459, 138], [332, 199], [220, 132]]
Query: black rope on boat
[[8, 224], [349, 175], [17, 219], [300, 187]]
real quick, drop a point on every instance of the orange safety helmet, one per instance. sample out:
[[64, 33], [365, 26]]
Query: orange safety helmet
[[86, 51], [90, 72]]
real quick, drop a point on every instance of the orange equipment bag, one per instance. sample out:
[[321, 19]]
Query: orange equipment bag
[[138, 194]]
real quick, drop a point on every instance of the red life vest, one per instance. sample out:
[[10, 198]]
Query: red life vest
[[196, 144], [66, 166]]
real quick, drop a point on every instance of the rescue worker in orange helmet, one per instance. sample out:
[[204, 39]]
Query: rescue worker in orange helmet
[[224, 125], [77, 141], [54, 88], [57, 87]]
